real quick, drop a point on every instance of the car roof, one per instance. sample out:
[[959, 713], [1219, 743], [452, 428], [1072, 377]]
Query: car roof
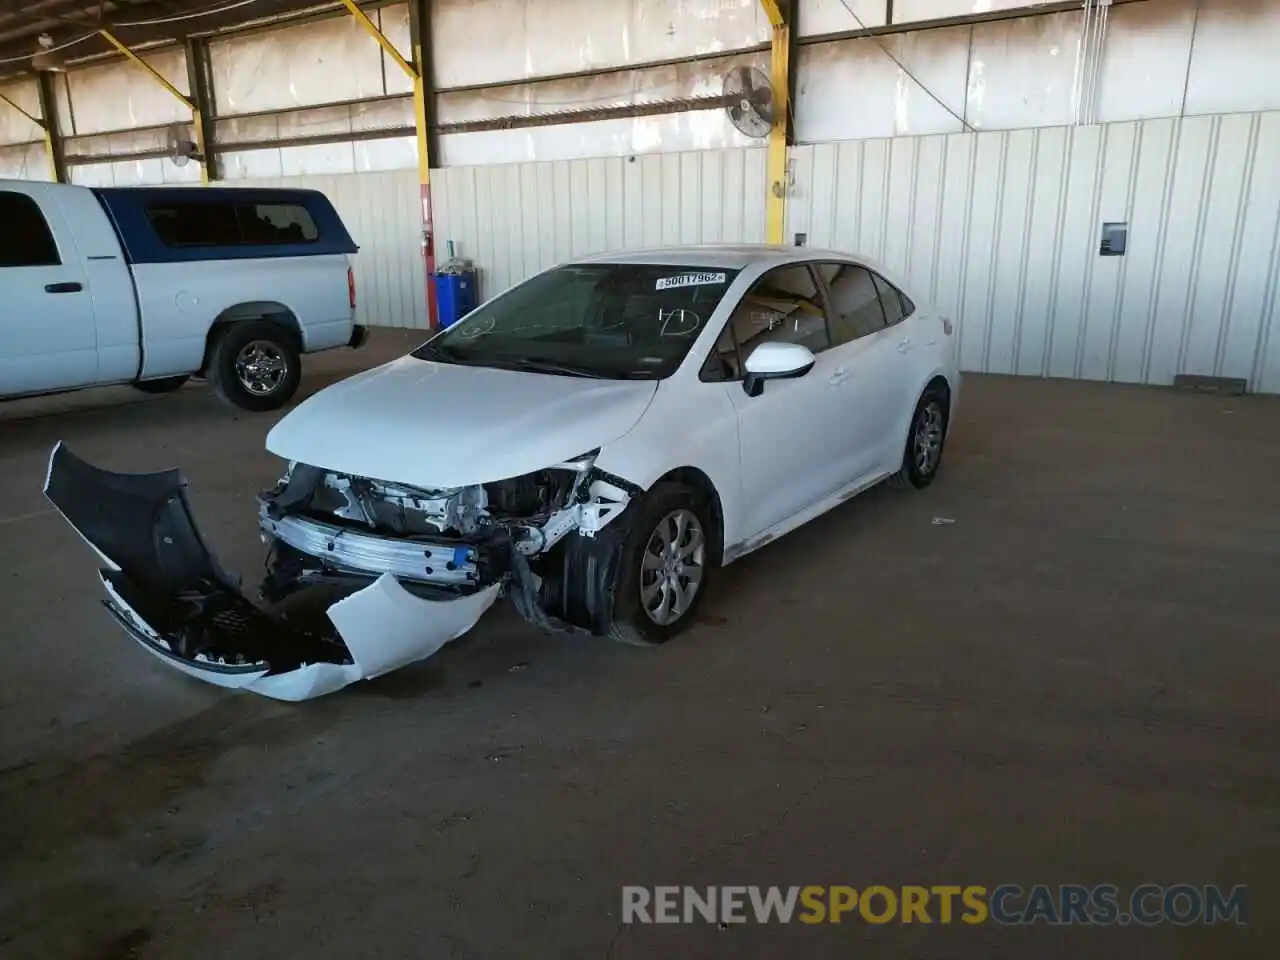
[[729, 255]]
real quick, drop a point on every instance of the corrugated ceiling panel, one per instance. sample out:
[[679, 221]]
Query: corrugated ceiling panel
[[310, 63], [120, 96], [24, 162], [14, 127], [524, 39]]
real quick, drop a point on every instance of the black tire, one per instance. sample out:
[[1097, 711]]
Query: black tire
[[594, 582], [276, 366], [163, 385], [926, 440], [630, 622]]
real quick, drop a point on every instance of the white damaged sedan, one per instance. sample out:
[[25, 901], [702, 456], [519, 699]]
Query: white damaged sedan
[[592, 443]]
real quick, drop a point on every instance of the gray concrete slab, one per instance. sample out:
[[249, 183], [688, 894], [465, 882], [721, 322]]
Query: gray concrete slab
[[1073, 682]]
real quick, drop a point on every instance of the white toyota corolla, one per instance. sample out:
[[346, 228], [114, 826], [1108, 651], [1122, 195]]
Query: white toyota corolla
[[593, 443]]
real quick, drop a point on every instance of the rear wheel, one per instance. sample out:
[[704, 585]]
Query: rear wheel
[[163, 385], [256, 366], [925, 440]]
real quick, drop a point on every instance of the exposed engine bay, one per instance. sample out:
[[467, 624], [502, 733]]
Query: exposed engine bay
[[455, 540], [411, 569]]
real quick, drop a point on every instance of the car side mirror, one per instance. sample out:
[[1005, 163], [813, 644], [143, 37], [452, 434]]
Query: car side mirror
[[775, 361]]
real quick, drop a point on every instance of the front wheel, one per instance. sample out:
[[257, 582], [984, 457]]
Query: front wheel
[[256, 366], [665, 566]]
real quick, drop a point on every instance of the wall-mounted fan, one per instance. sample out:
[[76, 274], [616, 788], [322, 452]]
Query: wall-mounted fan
[[749, 101], [181, 150]]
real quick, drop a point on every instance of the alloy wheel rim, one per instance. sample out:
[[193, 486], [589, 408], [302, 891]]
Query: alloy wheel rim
[[927, 442], [261, 367], [672, 567]]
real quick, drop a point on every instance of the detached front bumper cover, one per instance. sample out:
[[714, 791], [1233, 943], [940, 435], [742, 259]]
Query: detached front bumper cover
[[166, 590]]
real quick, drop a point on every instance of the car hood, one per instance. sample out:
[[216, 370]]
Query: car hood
[[436, 425]]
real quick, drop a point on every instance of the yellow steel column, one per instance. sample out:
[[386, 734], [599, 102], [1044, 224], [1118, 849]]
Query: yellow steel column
[[420, 29], [780, 80], [197, 117], [419, 73]]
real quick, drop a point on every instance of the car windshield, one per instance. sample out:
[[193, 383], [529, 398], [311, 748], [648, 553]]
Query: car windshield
[[618, 321]]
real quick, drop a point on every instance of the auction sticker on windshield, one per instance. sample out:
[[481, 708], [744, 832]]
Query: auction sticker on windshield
[[690, 280]]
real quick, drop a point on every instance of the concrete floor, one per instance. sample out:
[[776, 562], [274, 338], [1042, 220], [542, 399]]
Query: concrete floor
[[1073, 682]]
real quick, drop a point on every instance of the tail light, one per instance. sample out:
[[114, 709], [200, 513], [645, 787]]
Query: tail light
[[351, 287]]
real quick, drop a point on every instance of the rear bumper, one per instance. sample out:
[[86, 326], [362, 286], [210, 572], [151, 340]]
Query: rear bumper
[[359, 336], [168, 593]]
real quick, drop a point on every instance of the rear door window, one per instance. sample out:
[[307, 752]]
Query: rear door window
[[854, 302], [25, 237]]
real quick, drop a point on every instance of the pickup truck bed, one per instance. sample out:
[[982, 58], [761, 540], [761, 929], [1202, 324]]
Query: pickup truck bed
[[153, 285]]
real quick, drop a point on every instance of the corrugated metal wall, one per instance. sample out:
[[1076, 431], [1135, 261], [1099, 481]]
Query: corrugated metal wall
[[516, 219], [513, 220], [1002, 230]]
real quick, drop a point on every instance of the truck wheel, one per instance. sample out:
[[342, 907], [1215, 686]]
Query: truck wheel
[[163, 385], [255, 366]]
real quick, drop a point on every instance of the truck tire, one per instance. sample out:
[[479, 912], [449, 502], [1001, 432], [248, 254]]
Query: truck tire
[[163, 385], [255, 365]]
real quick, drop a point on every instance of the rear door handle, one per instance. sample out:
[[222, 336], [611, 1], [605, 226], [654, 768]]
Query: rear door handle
[[904, 345], [838, 377], [69, 286]]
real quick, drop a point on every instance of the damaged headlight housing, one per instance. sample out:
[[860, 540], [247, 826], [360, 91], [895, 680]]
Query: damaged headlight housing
[[535, 497]]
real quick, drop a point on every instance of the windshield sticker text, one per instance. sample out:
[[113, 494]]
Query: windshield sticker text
[[690, 280]]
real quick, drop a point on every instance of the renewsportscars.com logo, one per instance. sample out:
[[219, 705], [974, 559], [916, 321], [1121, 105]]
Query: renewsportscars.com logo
[[1008, 904]]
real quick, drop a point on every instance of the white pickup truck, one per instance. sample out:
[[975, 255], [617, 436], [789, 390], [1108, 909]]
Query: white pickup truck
[[151, 286]]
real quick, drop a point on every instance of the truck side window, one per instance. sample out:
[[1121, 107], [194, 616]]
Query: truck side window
[[26, 240], [194, 224], [272, 223], [204, 223]]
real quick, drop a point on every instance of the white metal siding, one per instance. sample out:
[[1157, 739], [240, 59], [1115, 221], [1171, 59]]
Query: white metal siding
[[1002, 230], [516, 219]]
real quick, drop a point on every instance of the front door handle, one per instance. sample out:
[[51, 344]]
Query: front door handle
[[839, 377], [69, 286]]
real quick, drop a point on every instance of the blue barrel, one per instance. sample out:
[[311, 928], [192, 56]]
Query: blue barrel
[[455, 296]]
